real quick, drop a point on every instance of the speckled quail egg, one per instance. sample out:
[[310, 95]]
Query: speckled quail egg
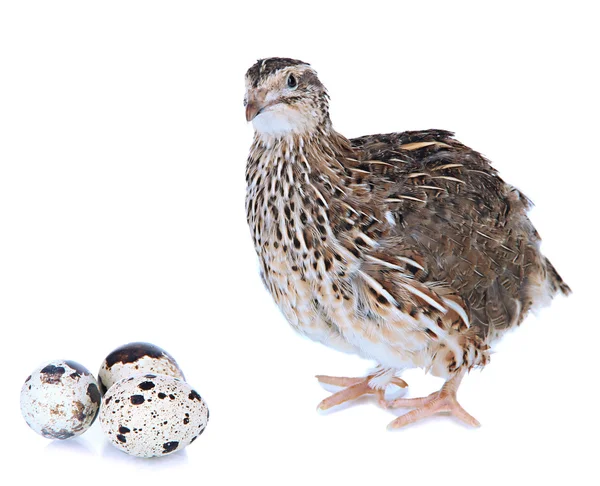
[[136, 358], [60, 399], [152, 415]]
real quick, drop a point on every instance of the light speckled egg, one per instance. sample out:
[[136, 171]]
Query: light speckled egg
[[60, 399], [152, 415], [136, 358]]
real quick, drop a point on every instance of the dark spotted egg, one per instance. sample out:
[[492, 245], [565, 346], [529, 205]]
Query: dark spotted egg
[[152, 415], [136, 358], [60, 399]]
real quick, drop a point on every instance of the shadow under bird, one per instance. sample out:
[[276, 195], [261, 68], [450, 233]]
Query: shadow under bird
[[404, 248]]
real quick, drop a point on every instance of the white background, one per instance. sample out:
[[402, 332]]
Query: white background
[[122, 149]]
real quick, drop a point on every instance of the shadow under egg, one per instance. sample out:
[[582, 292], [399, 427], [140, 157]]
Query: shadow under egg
[[77, 445], [174, 459]]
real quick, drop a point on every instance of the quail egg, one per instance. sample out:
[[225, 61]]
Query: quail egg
[[136, 358], [152, 415], [60, 399]]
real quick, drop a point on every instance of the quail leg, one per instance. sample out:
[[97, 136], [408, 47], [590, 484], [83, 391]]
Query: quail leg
[[354, 388], [440, 401]]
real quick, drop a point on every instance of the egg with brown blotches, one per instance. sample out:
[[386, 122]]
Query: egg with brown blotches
[[152, 415], [60, 399], [136, 358]]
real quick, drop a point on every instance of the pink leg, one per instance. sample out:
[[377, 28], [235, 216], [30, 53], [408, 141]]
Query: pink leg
[[355, 387], [441, 401]]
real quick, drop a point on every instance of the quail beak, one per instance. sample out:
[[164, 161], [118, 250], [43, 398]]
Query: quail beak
[[252, 109], [255, 105]]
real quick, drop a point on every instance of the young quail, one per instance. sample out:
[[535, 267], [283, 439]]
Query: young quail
[[405, 248]]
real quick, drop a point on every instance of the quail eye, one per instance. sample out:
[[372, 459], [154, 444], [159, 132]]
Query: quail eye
[[292, 82]]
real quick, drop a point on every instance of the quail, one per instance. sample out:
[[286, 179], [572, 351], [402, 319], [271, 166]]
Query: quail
[[407, 249]]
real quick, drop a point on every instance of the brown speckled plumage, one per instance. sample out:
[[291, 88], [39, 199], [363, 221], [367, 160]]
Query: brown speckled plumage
[[406, 248]]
